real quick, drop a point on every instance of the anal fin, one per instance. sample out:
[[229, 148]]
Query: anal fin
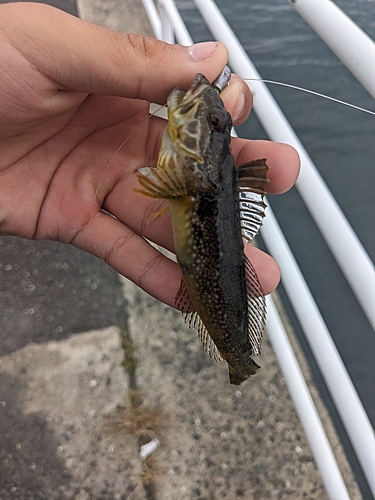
[[184, 303]]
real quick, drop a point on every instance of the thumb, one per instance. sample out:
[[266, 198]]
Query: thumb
[[84, 57]]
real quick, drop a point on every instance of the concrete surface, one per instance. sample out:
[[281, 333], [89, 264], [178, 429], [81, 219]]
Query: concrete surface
[[55, 398], [50, 290], [224, 441], [128, 16], [64, 396]]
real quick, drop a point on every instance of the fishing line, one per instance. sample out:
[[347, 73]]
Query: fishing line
[[106, 169], [124, 142], [308, 91]]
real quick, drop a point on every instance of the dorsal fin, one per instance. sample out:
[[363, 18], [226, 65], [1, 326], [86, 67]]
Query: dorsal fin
[[252, 212], [252, 179], [256, 308], [193, 320], [253, 176]]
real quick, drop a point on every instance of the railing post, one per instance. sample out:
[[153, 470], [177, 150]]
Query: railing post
[[305, 407]]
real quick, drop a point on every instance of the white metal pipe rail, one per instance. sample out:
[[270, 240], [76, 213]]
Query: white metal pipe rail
[[341, 388], [351, 45], [169, 9], [304, 404], [153, 17]]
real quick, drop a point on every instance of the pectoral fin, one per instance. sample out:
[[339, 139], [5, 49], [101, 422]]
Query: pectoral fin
[[172, 179], [159, 213], [169, 183]]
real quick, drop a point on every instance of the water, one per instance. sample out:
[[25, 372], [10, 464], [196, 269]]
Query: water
[[341, 142]]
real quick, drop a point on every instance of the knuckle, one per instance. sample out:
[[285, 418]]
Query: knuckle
[[150, 48], [149, 270], [112, 253]]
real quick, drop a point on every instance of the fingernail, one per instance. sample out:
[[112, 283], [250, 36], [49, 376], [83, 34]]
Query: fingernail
[[239, 107], [202, 51]]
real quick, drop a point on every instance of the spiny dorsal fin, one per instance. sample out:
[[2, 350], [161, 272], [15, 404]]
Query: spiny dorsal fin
[[256, 308], [252, 179], [252, 212], [193, 320]]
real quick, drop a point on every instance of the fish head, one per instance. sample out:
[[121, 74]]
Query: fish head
[[199, 126]]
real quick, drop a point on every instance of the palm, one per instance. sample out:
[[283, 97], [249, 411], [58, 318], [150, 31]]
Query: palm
[[65, 178]]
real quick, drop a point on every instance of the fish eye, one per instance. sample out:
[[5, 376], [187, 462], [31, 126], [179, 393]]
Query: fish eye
[[218, 119]]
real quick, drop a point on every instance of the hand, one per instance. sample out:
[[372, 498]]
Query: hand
[[70, 94]]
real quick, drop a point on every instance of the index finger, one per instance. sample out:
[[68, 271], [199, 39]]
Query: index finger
[[283, 160]]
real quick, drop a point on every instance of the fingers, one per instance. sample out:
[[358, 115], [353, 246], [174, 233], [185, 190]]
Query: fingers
[[132, 256], [266, 267], [81, 56]]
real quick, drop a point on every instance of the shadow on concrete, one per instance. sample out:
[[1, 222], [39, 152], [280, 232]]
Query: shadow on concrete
[[50, 290], [29, 465]]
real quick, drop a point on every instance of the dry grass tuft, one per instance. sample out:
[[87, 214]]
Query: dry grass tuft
[[139, 420]]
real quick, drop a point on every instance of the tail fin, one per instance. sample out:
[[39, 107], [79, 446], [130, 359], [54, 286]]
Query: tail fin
[[237, 377]]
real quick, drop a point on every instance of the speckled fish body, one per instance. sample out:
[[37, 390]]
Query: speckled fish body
[[220, 293]]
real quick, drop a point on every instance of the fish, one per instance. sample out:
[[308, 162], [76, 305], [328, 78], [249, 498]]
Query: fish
[[215, 209]]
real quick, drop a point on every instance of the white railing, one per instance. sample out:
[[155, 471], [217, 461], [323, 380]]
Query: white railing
[[334, 227], [350, 44]]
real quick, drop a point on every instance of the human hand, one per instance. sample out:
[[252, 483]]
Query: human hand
[[70, 94]]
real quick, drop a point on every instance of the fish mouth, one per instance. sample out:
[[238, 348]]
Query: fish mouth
[[179, 98]]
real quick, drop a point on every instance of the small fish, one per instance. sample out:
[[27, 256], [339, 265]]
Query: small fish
[[213, 206]]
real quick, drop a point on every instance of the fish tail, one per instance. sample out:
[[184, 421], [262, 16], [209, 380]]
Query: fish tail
[[236, 377]]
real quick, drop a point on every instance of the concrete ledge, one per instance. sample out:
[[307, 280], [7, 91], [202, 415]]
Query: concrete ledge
[[127, 16]]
